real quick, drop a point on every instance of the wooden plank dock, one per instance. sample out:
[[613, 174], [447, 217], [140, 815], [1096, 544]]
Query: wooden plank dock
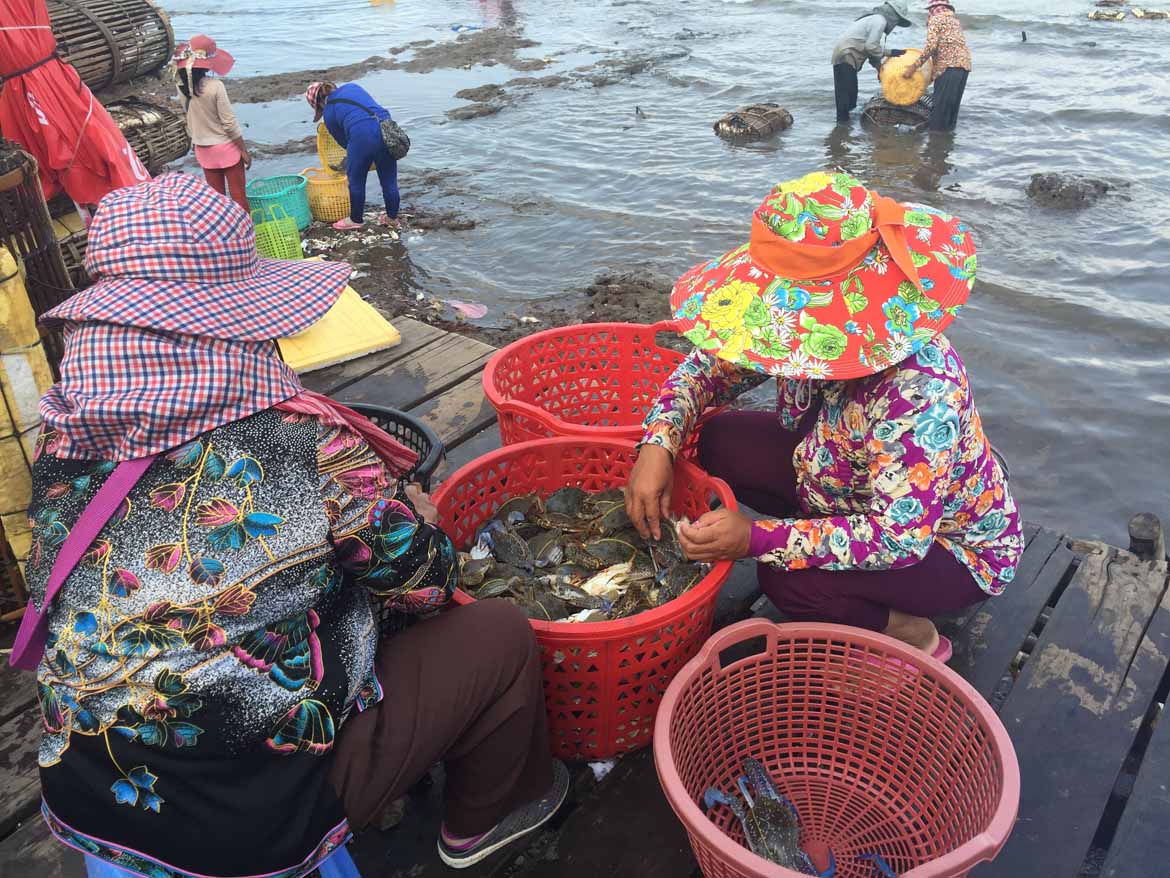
[[1074, 657]]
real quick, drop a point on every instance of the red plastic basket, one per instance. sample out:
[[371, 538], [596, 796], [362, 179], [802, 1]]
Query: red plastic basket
[[593, 379], [882, 750], [603, 680]]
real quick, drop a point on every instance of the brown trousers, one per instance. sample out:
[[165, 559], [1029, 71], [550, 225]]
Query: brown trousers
[[464, 688]]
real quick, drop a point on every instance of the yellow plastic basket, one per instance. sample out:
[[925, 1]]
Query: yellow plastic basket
[[898, 90], [277, 236], [330, 152], [328, 195]]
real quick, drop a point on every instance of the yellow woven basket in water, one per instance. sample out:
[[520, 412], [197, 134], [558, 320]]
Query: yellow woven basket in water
[[328, 195], [898, 90]]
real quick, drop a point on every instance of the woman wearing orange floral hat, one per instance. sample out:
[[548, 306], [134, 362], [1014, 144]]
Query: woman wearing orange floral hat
[[887, 504]]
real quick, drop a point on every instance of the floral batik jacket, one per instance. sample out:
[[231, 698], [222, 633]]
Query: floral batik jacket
[[205, 652], [893, 464]]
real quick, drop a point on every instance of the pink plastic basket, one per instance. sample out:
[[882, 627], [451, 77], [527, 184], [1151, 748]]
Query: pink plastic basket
[[882, 750]]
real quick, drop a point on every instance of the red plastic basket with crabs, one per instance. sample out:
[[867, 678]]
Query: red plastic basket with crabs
[[603, 680]]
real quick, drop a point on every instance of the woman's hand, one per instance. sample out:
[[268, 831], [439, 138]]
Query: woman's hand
[[648, 491], [247, 158], [421, 501], [721, 535], [909, 72]]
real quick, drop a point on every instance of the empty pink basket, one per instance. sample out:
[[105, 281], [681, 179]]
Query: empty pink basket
[[881, 749]]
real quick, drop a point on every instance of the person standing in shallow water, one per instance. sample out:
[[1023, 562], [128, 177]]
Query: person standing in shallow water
[[885, 503], [354, 119], [864, 41], [946, 49], [219, 143]]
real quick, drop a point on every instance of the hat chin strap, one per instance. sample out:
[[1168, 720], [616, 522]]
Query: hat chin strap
[[798, 261]]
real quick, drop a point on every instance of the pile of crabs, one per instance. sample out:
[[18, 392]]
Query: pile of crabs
[[575, 557]]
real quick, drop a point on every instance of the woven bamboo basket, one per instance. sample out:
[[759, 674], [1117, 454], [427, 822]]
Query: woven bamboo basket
[[111, 41], [753, 122], [328, 195], [158, 134], [882, 114], [27, 231], [73, 238], [897, 89]]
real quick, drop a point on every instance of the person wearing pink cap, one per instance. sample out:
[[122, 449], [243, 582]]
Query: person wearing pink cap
[[355, 120], [219, 143]]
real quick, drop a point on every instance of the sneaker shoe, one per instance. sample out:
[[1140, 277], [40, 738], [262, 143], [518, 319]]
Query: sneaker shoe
[[519, 823]]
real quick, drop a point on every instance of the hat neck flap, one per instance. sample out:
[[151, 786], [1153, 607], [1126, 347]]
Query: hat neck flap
[[808, 262]]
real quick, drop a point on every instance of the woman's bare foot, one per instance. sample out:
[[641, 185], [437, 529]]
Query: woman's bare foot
[[915, 630]]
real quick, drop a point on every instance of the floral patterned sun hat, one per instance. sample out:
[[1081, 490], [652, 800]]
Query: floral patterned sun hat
[[836, 282]]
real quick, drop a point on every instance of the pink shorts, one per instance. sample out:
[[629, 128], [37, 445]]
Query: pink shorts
[[222, 155]]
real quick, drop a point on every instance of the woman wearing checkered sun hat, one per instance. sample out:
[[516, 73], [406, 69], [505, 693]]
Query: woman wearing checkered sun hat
[[884, 502], [217, 700]]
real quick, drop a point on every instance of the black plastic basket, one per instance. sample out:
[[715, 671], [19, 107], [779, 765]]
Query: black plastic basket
[[418, 437], [412, 433]]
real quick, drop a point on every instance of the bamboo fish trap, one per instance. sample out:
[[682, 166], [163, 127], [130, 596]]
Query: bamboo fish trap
[[111, 41], [158, 134], [27, 231], [882, 114]]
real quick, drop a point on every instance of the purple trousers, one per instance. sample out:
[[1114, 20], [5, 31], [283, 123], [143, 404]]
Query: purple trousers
[[753, 454]]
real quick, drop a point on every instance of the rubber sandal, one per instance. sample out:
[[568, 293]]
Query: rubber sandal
[[944, 651], [347, 225]]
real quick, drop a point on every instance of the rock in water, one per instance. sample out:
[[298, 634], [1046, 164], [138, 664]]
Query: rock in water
[[1152, 14], [1102, 15], [1069, 191], [753, 122]]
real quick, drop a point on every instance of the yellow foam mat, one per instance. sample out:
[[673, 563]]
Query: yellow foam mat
[[350, 329]]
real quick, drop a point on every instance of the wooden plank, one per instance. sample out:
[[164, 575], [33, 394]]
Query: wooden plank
[[990, 639], [425, 374], [20, 782], [483, 442], [1141, 838], [458, 413], [1077, 707], [18, 690], [32, 851], [415, 335], [625, 827]]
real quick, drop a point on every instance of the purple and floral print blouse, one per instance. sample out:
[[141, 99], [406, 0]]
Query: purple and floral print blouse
[[206, 651], [893, 464]]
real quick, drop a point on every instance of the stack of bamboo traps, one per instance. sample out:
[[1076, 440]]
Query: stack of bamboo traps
[[111, 41], [27, 231], [158, 134]]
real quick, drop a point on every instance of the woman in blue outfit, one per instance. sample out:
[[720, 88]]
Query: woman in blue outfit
[[354, 119]]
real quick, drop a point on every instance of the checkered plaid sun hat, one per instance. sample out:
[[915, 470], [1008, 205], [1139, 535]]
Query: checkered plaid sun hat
[[175, 255], [174, 339]]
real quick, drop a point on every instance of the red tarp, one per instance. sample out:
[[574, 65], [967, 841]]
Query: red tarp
[[52, 114]]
